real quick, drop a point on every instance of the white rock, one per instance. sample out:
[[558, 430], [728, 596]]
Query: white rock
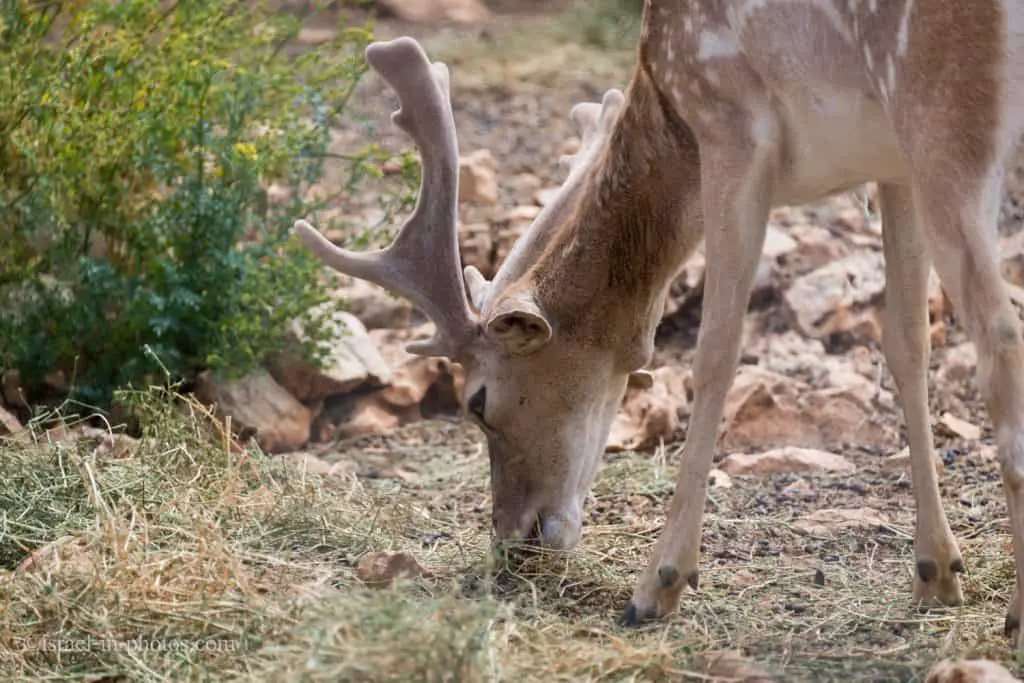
[[352, 361]]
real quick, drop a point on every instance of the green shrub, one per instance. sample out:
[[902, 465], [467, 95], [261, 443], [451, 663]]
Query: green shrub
[[611, 24], [136, 140]]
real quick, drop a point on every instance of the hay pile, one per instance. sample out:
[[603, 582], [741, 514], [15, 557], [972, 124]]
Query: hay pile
[[183, 556]]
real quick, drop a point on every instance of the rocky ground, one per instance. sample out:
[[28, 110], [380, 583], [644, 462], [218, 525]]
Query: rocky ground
[[807, 558]]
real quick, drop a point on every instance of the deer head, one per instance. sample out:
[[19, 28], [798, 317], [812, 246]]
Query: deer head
[[542, 386]]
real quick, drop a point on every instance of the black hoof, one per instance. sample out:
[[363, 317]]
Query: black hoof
[[634, 616]]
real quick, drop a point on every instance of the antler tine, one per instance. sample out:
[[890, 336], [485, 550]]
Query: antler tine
[[422, 264], [593, 122]]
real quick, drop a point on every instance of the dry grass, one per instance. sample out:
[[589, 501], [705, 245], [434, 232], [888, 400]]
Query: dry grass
[[179, 555]]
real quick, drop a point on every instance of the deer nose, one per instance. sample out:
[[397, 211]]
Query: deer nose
[[557, 531], [560, 530], [515, 525]]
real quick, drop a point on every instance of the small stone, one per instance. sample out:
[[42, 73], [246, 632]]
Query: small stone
[[970, 671], [718, 479], [478, 181], [731, 665], [13, 391], [67, 554], [381, 569], [825, 522], [9, 425], [315, 36], [476, 247], [310, 463], [938, 334], [785, 460], [429, 11], [959, 363], [777, 243], [373, 305], [954, 426], [901, 462], [799, 488], [524, 213], [546, 195]]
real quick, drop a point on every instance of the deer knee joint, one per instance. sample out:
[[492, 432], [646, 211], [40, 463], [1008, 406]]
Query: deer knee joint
[[1011, 459], [1007, 333]]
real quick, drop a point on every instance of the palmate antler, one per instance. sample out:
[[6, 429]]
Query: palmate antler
[[422, 264], [593, 122]]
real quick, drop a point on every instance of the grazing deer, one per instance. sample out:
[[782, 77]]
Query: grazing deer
[[734, 106]]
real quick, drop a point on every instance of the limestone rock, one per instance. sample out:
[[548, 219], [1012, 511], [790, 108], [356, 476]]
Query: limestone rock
[[766, 410], [649, 416], [259, 403], [825, 522], [785, 460], [374, 306], [352, 361], [429, 11], [476, 247], [959, 364], [901, 462], [478, 181], [955, 426], [833, 298]]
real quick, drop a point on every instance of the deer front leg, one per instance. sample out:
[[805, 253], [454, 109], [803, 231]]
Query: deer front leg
[[906, 347], [736, 189]]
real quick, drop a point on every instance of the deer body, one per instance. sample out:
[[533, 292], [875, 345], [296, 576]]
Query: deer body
[[735, 106], [790, 100]]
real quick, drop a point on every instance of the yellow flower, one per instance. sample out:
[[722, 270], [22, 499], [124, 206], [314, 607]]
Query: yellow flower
[[246, 149], [44, 99]]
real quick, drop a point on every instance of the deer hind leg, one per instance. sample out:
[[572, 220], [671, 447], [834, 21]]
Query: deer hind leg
[[906, 346], [736, 198], [960, 219]]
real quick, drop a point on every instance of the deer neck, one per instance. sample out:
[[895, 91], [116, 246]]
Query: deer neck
[[605, 274]]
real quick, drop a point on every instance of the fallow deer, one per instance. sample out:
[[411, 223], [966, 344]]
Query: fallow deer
[[734, 106]]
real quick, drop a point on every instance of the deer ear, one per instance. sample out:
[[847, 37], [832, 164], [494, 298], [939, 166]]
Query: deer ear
[[519, 325]]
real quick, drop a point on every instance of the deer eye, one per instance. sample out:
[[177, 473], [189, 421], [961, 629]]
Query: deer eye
[[478, 403]]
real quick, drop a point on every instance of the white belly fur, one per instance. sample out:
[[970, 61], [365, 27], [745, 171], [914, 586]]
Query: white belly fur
[[832, 140]]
